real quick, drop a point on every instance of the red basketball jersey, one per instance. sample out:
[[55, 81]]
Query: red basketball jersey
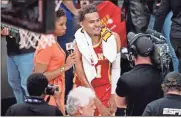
[[101, 84], [102, 68]]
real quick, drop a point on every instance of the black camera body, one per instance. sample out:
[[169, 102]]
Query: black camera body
[[51, 89], [160, 56]]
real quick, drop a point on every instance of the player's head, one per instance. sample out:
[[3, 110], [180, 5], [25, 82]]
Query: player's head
[[80, 102], [89, 20], [36, 84], [60, 24], [172, 83]]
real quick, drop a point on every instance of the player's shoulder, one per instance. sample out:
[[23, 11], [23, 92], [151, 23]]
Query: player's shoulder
[[118, 41]]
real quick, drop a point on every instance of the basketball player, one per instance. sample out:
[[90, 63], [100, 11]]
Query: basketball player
[[107, 73]]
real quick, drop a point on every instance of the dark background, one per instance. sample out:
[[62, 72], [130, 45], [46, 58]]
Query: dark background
[[7, 96]]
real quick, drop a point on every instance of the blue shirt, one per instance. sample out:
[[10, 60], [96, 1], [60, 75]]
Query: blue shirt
[[69, 15]]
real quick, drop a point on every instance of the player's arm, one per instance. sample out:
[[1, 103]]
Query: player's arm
[[116, 80], [70, 5], [116, 69], [118, 41], [79, 68], [115, 74]]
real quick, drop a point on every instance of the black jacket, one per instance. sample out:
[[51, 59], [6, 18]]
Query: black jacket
[[33, 109], [165, 7], [138, 14]]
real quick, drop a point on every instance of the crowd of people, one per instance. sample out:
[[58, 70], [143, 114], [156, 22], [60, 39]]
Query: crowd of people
[[92, 81]]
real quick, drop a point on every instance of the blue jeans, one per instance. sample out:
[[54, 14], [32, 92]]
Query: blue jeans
[[19, 68], [166, 33]]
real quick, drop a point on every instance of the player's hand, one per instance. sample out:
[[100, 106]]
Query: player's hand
[[5, 31], [112, 104], [103, 111]]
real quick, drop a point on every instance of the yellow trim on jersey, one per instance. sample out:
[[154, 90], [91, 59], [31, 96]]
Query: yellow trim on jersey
[[105, 34], [98, 44]]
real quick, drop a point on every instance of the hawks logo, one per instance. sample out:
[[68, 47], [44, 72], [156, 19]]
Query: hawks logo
[[105, 33]]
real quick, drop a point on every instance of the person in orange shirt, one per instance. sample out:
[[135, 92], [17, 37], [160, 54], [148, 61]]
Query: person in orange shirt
[[51, 60]]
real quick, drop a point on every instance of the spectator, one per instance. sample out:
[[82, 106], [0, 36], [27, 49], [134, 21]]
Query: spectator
[[170, 105], [80, 102], [34, 104], [166, 32], [138, 14], [138, 87], [97, 67], [51, 60], [19, 63], [175, 33]]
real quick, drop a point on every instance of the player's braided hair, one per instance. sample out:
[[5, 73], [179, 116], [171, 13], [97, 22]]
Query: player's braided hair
[[86, 10]]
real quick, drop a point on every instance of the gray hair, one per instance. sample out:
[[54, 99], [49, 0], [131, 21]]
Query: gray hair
[[79, 97]]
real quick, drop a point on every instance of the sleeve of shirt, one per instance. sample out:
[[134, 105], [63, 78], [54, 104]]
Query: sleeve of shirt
[[43, 56], [58, 112], [161, 14], [8, 113], [121, 89], [149, 111]]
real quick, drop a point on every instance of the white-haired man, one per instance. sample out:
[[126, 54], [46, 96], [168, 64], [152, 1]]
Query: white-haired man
[[80, 102]]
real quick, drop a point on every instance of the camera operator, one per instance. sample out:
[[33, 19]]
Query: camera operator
[[170, 105], [34, 104], [138, 87]]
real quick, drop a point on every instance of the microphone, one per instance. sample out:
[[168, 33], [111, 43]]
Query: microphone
[[155, 33], [70, 49]]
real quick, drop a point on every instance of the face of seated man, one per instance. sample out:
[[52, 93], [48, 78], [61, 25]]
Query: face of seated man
[[87, 110]]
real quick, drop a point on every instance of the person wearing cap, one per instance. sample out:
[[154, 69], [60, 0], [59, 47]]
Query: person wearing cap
[[170, 104], [141, 85]]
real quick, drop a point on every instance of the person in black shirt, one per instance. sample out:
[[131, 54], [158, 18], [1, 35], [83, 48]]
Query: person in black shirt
[[170, 105], [175, 34], [138, 87], [34, 104]]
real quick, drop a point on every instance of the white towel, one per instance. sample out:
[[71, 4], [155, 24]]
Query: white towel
[[89, 57]]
